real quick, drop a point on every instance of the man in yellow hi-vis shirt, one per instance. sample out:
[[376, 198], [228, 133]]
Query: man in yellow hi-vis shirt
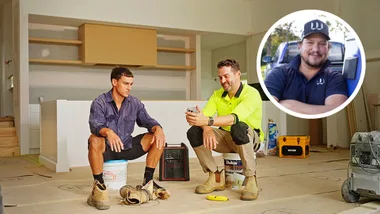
[[239, 111]]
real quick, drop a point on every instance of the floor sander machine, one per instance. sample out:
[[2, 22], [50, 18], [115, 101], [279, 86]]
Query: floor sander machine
[[363, 174]]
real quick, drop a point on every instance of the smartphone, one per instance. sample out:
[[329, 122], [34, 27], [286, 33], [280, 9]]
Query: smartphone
[[192, 109]]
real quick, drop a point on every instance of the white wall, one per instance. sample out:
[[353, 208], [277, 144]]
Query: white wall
[[209, 83], [190, 15], [210, 59], [236, 51], [267, 12], [34, 127], [65, 130], [252, 46], [55, 82]]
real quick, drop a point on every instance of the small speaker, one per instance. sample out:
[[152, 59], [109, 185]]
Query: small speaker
[[174, 163]]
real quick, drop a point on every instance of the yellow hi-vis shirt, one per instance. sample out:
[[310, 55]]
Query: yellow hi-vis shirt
[[246, 104]]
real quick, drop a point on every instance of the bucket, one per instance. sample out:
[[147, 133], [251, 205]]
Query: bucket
[[234, 170], [272, 138], [115, 174]]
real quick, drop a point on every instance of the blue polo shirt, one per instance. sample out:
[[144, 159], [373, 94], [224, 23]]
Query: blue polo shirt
[[287, 82]]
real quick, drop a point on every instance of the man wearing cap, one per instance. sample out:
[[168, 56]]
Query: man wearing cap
[[306, 85]]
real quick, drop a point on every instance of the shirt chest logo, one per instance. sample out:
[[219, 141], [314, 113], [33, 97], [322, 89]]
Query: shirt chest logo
[[320, 81]]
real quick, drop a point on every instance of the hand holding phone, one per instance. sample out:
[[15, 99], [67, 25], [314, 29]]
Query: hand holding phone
[[193, 109]]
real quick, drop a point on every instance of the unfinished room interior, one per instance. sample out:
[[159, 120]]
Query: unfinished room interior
[[57, 56]]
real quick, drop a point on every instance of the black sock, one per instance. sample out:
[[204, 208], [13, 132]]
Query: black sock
[[99, 177], [155, 185], [148, 175]]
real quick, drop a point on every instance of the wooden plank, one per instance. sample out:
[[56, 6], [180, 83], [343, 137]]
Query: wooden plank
[[8, 142], [10, 151], [77, 62], [176, 67], [316, 131], [55, 61], [8, 132], [169, 67], [377, 115], [8, 118], [373, 59], [5, 124], [372, 99], [176, 50], [368, 116], [54, 41], [351, 119]]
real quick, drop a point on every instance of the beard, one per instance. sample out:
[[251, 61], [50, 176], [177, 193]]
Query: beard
[[227, 87], [315, 64]]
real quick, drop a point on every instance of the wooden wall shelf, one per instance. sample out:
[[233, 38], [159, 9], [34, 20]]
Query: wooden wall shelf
[[175, 67], [77, 62], [55, 61], [86, 42], [54, 41], [176, 50], [169, 67]]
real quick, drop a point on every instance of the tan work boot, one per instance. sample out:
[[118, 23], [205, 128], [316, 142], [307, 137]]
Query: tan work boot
[[138, 195], [251, 190], [99, 197], [215, 182]]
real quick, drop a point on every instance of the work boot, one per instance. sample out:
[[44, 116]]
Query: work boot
[[158, 190], [138, 195], [251, 190], [216, 182], [99, 196], [124, 190]]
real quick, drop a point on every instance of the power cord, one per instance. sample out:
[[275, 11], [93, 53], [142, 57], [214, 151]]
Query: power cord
[[373, 155]]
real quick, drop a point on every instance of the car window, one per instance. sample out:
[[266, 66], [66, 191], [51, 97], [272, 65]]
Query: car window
[[336, 52], [276, 55], [292, 51]]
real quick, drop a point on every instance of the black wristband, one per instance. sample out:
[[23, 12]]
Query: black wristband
[[236, 118]]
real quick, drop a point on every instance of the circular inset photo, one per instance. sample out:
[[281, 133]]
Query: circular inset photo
[[311, 64]]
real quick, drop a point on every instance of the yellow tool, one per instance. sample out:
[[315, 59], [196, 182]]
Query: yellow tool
[[216, 198]]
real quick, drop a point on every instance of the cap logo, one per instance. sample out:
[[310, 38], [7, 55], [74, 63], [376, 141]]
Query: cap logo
[[318, 26]]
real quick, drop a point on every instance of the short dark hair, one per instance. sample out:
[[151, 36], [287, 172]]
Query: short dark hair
[[120, 71], [229, 63]]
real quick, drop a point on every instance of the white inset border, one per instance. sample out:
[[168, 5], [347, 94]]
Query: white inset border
[[294, 16]]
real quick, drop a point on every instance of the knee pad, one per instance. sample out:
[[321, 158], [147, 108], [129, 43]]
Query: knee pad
[[239, 133], [195, 136]]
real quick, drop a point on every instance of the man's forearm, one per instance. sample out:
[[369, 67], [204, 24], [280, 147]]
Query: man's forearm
[[227, 120], [154, 128], [104, 132], [304, 108]]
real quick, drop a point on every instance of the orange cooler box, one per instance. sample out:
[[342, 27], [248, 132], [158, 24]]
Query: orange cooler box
[[293, 146]]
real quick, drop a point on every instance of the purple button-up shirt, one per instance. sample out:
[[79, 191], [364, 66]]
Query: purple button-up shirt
[[104, 114]]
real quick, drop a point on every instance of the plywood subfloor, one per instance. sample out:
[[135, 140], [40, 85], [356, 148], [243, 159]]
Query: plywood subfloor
[[291, 186]]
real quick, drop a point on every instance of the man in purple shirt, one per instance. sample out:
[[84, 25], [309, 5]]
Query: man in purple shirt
[[112, 120]]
